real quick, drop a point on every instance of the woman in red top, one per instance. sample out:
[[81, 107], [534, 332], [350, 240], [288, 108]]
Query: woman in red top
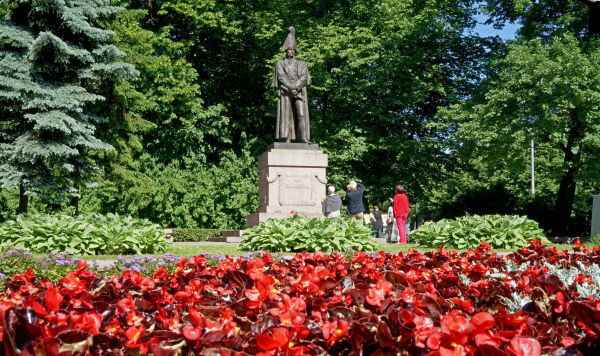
[[401, 212]]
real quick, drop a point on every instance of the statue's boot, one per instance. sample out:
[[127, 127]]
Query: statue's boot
[[288, 140], [302, 131]]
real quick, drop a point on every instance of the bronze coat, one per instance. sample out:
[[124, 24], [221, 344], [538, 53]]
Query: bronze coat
[[285, 110]]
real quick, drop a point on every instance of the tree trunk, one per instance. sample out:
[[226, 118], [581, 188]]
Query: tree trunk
[[594, 20], [23, 200], [566, 190], [75, 202]]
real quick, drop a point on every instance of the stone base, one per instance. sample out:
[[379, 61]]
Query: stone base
[[231, 236], [291, 179], [595, 217], [293, 146]]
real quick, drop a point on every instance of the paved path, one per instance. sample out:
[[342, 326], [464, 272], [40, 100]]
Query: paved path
[[203, 243], [101, 263]]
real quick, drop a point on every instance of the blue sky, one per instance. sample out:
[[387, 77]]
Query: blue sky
[[507, 33]]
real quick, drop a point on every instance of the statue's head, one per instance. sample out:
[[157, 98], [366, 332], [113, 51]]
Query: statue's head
[[289, 45], [289, 53]]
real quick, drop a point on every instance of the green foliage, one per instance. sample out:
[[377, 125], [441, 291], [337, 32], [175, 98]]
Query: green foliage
[[197, 195], [381, 70], [183, 126], [545, 18], [546, 92], [53, 58], [182, 235], [298, 234], [500, 231], [8, 204], [86, 234], [593, 241]]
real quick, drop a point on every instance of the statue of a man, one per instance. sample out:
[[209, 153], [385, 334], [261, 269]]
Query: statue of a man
[[291, 78]]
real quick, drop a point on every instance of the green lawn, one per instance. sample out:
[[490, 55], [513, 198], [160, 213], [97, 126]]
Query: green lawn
[[234, 250]]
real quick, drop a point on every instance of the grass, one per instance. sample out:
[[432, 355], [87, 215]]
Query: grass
[[234, 250]]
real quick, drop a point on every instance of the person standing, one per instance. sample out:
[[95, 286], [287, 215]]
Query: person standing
[[401, 211], [354, 199], [377, 222], [391, 229], [332, 204]]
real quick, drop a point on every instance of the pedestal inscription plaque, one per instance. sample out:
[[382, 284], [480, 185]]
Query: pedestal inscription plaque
[[291, 178]]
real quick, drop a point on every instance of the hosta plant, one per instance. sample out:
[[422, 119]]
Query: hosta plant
[[304, 234], [500, 231], [85, 235]]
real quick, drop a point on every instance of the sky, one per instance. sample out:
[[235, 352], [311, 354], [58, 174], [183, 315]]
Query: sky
[[507, 33]]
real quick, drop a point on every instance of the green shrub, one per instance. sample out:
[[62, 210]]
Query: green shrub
[[183, 193], [85, 235], [184, 235], [297, 234], [500, 231], [593, 241]]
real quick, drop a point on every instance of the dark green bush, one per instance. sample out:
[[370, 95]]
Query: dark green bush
[[298, 234], [500, 231], [188, 235]]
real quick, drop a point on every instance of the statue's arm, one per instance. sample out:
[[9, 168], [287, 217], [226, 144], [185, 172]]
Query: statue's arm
[[284, 82], [302, 76]]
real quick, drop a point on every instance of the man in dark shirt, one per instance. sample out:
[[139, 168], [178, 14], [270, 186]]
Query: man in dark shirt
[[354, 199]]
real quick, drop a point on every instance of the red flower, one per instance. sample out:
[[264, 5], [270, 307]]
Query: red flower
[[53, 299], [457, 327], [334, 331], [452, 350], [126, 305], [114, 327], [72, 285], [255, 268], [280, 338], [559, 303], [28, 276], [133, 335], [161, 274], [434, 341], [524, 346], [88, 322], [191, 332], [378, 293], [483, 321]]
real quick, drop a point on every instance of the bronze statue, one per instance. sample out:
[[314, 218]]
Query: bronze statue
[[291, 78]]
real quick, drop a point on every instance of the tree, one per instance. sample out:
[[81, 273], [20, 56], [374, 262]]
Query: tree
[[548, 18], [546, 92], [53, 59]]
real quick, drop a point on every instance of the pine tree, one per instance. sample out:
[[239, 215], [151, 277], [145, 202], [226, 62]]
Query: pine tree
[[53, 62]]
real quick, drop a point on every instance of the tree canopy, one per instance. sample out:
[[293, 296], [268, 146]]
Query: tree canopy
[[402, 92]]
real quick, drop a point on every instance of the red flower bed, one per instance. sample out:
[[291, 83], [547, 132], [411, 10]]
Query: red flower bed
[[413, 304]]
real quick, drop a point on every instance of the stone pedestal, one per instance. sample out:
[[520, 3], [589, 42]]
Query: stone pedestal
[[596, 216], [291, 177]]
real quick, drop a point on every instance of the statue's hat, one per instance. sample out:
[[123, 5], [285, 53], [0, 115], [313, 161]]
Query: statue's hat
[[290, 41]]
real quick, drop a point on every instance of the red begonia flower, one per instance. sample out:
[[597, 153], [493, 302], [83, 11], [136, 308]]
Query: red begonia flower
[[524, 346], [279, 338]]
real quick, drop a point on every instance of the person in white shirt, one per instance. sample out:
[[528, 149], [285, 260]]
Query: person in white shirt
[[332, 204]]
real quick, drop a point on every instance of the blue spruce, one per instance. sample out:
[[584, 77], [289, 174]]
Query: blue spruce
[[53, 63]]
